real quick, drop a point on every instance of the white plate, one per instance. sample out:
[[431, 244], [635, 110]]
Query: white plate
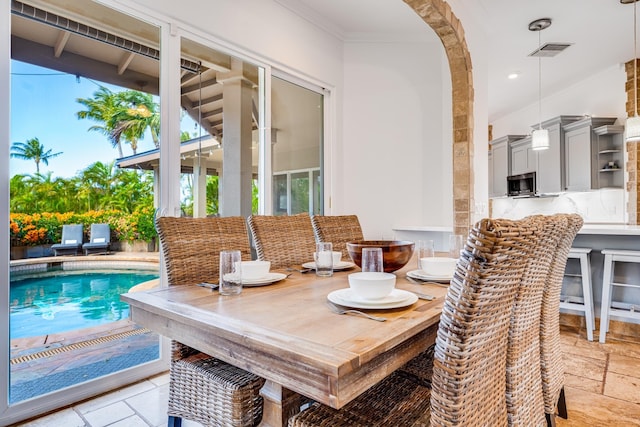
[[266, 280], [398, 298], [422, 275], [342, 265]]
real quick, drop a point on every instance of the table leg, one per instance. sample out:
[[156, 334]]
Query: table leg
[[279, 404]]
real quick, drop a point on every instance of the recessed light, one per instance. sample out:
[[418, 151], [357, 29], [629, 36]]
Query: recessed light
[[513, 75]]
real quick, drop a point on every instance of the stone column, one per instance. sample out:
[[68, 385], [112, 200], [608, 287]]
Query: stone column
[[632, 149]]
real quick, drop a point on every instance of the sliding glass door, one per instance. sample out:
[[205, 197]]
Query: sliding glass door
[[93, 139], [84, 94], [297, 146]]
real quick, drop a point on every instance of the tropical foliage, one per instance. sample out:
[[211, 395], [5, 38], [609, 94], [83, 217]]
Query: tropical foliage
[[32, 149], [99, 193], [213, 183], [100, 186], [122, 116]]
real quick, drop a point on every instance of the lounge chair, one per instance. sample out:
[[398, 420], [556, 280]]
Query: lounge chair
[[71, 240], [99, 239]]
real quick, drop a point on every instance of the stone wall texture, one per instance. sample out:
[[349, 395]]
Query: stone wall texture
[[632, 147], [439, 16]]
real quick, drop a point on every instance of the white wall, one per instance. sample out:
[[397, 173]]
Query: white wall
[[397, 157], [390, 163], [601, 95], [262, 28]]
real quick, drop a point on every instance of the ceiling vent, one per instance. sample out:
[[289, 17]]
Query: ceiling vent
[[548, 50]]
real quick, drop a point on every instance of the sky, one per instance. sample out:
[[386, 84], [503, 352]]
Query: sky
[[44, 106]]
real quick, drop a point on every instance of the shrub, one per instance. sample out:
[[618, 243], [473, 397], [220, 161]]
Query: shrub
[[46, 228]]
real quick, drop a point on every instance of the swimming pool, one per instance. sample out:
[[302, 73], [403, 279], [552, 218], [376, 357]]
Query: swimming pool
[[59, 301]]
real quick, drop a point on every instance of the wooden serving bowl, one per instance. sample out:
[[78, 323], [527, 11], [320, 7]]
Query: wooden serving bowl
[[395, 253]]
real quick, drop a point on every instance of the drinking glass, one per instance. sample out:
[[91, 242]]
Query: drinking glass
[[230, 272], [424, 249], [456, 244], [372, 259], [323, 257]]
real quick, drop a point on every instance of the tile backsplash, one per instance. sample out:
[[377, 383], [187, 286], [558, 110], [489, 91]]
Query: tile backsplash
[[601, 206]]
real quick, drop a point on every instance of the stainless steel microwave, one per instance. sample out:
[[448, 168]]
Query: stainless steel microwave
[[521, 185]]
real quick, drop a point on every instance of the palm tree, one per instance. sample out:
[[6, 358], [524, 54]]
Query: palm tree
[[32, 150], [96, 181], [139, 113], [104, 107], [125, 114]]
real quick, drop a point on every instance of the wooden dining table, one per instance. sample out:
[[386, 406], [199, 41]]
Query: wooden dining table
[[286, 333]]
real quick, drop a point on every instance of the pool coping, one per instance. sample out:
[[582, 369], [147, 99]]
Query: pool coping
[[130, 259]]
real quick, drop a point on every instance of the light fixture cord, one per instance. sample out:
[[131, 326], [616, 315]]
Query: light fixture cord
[[635, 61], [200, 110], [539, 82]]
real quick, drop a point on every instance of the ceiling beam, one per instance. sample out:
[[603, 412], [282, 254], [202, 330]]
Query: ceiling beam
[[61, 42], [195, 87], [211, 113], [205, 101], [126, 59]]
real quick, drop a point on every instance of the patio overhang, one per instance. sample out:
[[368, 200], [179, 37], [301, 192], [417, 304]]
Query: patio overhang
[[207, 148]]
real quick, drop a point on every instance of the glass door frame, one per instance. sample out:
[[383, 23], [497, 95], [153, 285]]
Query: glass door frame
[[168, 190], [11, 413], [327, 140]]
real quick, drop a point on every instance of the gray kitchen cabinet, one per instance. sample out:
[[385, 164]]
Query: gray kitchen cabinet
[[499, 164], [523, 158], [550, 162], [610, 156], [547, 164], [581, 153]]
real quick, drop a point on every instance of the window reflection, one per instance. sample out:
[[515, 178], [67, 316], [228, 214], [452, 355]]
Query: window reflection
[[297, 120]]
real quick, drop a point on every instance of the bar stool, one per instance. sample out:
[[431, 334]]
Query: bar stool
[[586, 305], [610, 257]]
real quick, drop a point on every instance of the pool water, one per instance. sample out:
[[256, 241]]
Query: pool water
[[60, 301]]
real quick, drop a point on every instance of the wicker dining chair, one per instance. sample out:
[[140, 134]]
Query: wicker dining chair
[[525, 405], [468, 363], [552, 367], [337, 229], [202, 388], [284, 240]]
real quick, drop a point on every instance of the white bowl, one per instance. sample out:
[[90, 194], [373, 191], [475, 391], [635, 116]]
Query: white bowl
[[252, 270], [371, 284], [438, 266]]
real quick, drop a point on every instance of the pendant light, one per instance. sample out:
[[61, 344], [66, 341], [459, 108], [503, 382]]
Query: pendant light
[[632, 126], [539, 137]]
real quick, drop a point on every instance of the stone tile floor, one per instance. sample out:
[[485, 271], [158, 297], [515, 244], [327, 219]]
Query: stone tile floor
[[602, 381], [602, 389]]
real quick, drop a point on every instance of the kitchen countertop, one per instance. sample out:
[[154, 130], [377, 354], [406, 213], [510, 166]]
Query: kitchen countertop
[[599, 228], [445, 229], [611, 229]]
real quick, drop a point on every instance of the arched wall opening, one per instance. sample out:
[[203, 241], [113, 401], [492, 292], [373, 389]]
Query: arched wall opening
[[439, 16]]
